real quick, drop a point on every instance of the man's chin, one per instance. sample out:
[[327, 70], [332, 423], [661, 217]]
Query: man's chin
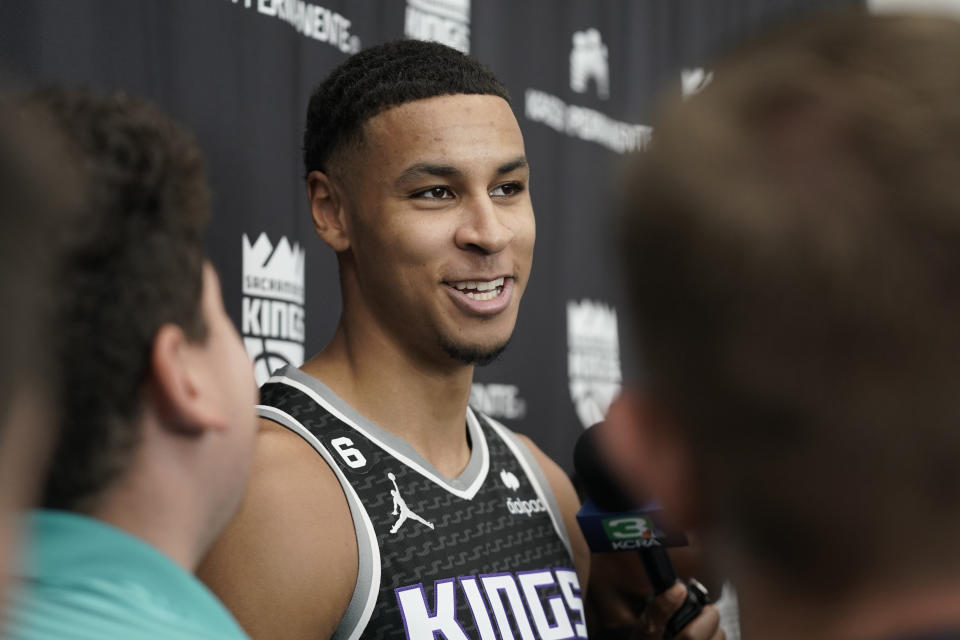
[[473, 354]]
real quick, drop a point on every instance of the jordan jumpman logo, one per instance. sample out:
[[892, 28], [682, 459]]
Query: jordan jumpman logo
[[400, 507]]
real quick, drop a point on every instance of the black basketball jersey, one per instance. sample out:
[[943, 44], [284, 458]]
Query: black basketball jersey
[[483, 556]]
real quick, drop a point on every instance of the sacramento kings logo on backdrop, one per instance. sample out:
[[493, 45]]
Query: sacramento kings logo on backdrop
[[589, 68], [273, 317], [594, 358], [443, 21]]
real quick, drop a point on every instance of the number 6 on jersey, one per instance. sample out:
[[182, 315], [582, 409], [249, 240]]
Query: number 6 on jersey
[[350, 455]]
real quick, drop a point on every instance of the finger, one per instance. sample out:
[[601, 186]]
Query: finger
[[703, 627], [665, 605]]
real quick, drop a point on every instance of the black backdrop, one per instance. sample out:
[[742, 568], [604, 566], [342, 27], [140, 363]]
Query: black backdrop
[[582, 73]]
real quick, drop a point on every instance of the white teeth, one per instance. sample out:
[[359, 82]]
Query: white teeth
[[488, 295], [487, 286], [479, 286]]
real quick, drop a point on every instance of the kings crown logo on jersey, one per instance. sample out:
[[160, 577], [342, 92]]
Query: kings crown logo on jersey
[[272, 319], [594, 358], [443, 21]]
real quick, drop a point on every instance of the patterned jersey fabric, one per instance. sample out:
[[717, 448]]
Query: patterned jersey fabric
[[481, 556]]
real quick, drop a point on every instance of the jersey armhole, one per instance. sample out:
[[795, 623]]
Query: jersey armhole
[[364, 596], [536, 476]]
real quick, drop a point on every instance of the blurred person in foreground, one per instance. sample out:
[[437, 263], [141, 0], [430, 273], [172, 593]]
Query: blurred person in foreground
[[793, 251], [156, 392], [33, 206]]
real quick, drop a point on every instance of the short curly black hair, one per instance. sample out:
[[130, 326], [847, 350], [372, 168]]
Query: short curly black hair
[[382, 77], [134, 262]]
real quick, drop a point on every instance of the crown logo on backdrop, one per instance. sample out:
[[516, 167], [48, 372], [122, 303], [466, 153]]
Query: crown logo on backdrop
[[589, 320], [273, 272], [593, 361]]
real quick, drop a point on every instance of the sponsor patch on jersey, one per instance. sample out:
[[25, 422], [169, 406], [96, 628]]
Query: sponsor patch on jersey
[[510, 480], [520, 507]]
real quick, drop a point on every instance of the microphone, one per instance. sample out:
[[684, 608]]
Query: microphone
[[611, 520]]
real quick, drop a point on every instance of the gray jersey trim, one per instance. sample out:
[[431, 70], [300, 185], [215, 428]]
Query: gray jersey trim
[[365, 592], [537, 478], [465, 486]]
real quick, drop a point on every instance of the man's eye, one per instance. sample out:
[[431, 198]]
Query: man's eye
[[508, 189], [434, 193]]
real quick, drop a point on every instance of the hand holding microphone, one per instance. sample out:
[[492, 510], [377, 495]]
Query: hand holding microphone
[[612, 521]]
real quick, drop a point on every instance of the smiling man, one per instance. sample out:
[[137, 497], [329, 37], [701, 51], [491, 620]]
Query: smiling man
[[381, 505]]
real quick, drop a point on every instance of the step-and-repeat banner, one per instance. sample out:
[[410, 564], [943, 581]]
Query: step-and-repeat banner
[[583, 76]]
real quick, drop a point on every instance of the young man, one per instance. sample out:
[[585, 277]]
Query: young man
[[380, 505], [156, 393], [793, 245]]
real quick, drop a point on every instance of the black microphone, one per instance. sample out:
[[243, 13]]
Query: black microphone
[[612, 520]]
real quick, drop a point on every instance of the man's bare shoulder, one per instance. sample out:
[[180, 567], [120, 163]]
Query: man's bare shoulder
[[569, 504], [286, 565]]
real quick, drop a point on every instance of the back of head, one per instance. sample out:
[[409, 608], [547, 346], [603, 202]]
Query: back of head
[[381, 77], [792, 244], [134, 262], [34, 204]]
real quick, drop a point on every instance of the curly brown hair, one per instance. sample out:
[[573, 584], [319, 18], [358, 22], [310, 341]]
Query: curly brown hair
[[134, 263]]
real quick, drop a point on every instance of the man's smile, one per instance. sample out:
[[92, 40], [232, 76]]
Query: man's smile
[[480, 289], [481, 296]]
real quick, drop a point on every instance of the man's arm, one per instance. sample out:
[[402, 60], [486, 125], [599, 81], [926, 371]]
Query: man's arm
[[286, 565]]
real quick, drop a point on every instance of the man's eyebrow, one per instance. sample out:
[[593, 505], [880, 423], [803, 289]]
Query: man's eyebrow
[[422, 169], [519, 162]]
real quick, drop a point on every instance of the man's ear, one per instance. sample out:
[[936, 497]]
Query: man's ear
[[653, 454], [180, 384], [327, 209]]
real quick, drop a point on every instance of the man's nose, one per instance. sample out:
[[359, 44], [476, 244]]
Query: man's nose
[[483, 227]]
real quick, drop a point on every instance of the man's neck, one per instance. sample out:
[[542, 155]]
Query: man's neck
[[419, 401]]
